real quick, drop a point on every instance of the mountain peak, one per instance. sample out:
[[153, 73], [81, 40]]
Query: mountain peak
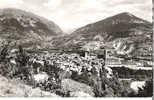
[[127, 14], [124, 16], [122, 25], [128, 17]]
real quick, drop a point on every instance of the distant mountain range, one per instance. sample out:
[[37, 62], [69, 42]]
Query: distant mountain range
[[124, 32]]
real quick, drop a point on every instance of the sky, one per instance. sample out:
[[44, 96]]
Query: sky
[[72, 14]]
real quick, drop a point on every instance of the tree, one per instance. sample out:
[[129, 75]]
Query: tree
[[4, 51]]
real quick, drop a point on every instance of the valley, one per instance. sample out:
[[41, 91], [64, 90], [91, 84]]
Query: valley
[[101, 59]]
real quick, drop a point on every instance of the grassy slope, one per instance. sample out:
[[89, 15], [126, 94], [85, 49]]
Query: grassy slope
[[74, 86], [15, 88]]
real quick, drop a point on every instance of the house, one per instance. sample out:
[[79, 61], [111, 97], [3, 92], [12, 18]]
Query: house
[[101, 54]]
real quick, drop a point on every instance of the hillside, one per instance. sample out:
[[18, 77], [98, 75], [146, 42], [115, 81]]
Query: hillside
[[15, 88], [119, 26], [26, 27], [124, 32]]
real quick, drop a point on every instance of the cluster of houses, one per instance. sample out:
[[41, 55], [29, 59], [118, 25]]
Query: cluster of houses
[[107, 54]]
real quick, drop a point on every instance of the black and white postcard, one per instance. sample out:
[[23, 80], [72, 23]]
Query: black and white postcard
[[76, 48]]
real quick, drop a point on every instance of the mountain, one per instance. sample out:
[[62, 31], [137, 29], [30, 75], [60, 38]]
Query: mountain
[[118, 26], [125, 32], [24, 26]]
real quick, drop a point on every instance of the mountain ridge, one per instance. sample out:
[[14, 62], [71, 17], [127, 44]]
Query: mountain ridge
[[26, 27], [130, 31], [117, 23]]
